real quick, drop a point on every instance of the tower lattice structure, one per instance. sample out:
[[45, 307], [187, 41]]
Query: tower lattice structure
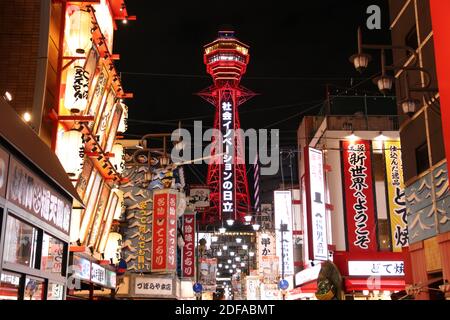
[[226, 61]]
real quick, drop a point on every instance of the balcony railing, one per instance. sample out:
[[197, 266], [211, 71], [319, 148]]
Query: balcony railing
[[358, 123]]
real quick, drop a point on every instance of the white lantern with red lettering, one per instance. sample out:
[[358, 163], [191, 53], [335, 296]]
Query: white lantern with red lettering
[[79, 38], [77, 88], [123, 124], [118, 161], [71, 152]]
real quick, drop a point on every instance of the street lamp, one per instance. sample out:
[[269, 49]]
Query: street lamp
[[7, 96], [385, 82], [230, 222]]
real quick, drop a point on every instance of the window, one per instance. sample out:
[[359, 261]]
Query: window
[[55, 291], [20, 242], [422, 161], [52, 254], [9, 286], [34, 289]]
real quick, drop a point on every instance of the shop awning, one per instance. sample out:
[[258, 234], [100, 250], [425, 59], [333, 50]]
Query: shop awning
[[21, 137], [360, 284]]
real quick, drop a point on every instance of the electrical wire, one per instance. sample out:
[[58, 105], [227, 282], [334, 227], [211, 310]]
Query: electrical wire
[[204, 76]]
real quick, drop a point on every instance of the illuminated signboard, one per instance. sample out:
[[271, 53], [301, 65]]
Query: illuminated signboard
[[98, 274], [188, 259], [317, 213], [153, 286], [359, 198], [283, 216], [35, 196], [376, 268], [164, 231], [81, 268], [227, 181], [396, 195]]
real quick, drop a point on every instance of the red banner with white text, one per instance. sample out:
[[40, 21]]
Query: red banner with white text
[[188, 265], [164, 224], [359, 198]]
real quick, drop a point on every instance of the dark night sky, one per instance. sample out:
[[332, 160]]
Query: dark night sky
[[296, 48]]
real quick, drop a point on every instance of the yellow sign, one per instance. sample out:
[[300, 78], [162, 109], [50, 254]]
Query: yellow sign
[[396, 195]]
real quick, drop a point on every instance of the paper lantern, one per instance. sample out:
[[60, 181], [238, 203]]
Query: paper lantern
[[112, 250], [71, 152], [79, 36], [118, 161], [123, 124], [77, 88], [120, 206]]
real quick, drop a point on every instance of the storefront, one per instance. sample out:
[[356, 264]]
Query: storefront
[[90, 278], [35, 210], [371, 276]]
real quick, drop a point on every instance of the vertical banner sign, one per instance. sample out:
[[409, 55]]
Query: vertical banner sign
[[266, 246], [188, 266], [283, 216], [159, 224], [316, 217], [227, 181], [396, 195], [164, 232], [208, 272], [359, 199], [172, 234]]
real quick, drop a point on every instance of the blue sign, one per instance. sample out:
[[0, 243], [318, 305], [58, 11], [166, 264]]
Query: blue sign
[[283, 284], [198, 287]]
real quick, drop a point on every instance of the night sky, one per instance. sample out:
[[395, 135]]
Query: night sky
[[296, 49]]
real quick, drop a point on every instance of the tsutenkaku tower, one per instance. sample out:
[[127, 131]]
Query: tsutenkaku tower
[[226, 61]]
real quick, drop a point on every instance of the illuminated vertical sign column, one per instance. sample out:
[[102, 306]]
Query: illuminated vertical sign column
[[228, 201], [283, 216], [188, 259], [164, 224], [396, 195], [359, 198], [316, 210]]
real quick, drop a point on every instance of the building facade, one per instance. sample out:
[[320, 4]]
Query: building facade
[[59, 67], [36, 199], [423, 143], [353, 210]]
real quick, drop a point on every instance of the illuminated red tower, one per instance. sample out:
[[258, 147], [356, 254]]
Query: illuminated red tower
[[226, 61]]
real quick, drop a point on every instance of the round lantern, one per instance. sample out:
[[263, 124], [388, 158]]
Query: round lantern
[[123, 124], [118, 160], [112, 249], [71, 152], [79, 37], [77, 88]]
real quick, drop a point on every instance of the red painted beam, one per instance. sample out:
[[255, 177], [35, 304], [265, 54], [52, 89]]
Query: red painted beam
[[441, 35]]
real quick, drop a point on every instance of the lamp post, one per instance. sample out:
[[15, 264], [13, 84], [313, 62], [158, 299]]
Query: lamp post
[[384, 82]]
